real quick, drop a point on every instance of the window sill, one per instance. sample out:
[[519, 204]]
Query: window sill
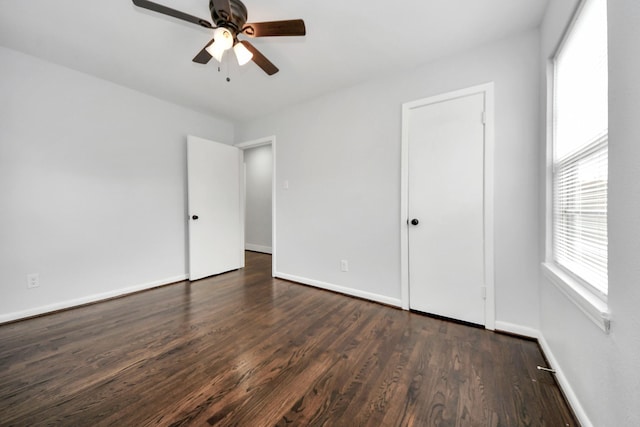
[[594, 308]]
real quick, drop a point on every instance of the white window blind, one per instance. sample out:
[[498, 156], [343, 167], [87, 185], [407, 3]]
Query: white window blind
[[580, 166]]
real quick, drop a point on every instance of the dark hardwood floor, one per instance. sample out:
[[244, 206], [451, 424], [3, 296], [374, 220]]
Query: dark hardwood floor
[[248, 350]]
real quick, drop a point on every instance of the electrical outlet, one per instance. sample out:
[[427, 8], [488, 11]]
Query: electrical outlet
[[344, 265], [33, 280]]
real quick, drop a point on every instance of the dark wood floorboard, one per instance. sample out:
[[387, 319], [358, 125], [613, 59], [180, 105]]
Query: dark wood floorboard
[[244, 349]]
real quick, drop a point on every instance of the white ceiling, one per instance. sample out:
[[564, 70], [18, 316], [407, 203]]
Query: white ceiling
[[347, 42]]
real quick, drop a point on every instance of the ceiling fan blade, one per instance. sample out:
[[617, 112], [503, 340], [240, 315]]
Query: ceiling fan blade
[[145, 4], [203, 57], [222, 7], [260, 60], [292, 27]]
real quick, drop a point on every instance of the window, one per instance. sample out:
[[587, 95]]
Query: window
[[580, 150]]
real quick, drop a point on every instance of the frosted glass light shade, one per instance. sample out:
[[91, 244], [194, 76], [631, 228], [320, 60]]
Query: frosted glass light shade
[[223, 40], [242, 53]]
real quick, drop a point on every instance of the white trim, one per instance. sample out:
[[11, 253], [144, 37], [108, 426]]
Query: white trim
[[489, 162], [255, 142], [548, 199], [268, 140], [243, 203], [64, 305], [488, 90], [564, 384], [569, 28], [592, 306], [341, 289], [258, 248], [512, 328]]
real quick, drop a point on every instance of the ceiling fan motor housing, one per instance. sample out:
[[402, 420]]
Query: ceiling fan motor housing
[[234, 22]]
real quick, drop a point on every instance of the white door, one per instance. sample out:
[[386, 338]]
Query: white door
[[216, 223], [446, 208]]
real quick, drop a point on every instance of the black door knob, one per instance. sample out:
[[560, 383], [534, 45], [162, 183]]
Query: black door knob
[[194, 217], [415, 221]]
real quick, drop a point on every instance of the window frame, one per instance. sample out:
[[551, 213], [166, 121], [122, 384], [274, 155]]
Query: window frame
[[601, 143], [590, 300]]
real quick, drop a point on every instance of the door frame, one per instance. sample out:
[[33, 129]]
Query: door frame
[[267, 140], [488, 90]]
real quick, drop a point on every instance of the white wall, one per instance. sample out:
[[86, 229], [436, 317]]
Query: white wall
[[259, 171], [604, 370], [341, 156], [92, 185]]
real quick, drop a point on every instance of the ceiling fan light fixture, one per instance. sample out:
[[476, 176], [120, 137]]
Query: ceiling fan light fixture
[[243, 55], [215, 51], [229, 19], [223, 41]]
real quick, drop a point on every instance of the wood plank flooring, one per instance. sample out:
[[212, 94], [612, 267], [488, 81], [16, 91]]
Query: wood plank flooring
[[243, 349]]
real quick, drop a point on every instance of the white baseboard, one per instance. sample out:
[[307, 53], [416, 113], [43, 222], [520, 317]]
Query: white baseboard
[[341, 289], [546, 350], [564, 384], [258, 248], [63, 305], [512, 328]]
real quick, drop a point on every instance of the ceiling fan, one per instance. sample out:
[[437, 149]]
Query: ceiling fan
[[230, 20]]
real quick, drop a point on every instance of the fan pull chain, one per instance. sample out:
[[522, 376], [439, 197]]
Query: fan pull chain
[[228, 78], [227, 66]]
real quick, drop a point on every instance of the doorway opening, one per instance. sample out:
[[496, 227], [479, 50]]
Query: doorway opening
[[259, 196]]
